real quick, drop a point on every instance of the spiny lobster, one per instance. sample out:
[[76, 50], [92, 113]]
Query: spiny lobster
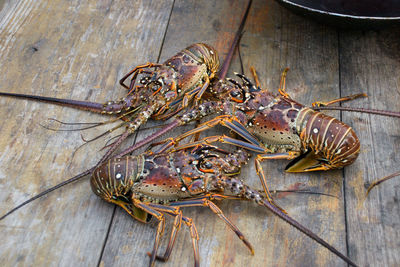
[[155, 184], [277, 127], [164, 90]]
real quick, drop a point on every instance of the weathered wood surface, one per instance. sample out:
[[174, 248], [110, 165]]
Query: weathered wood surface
[[79, 50]]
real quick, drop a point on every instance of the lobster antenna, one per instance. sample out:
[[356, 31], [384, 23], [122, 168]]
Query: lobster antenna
[[70, 180], [83, 105], [362, 110], [300, 191], [377, 182], [228, 59]]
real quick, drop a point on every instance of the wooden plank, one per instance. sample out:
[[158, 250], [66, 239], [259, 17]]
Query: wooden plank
[[214, 23], [370, 63], [276, 39], [74, 50]]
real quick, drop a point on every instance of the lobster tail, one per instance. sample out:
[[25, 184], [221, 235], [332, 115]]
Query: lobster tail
[[328, 142]]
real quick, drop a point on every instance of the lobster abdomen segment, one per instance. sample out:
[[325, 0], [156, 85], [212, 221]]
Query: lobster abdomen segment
[[332, 143]]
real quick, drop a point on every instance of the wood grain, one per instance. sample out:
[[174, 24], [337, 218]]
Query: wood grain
[[79, 50], [276, 39], [370, 62], [75, 50]]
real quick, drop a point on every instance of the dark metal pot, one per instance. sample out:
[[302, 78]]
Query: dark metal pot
[[349, 13]]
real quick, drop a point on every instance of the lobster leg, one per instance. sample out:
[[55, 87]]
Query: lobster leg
[[175, 228], [205, 202], [342, 99], [135, 73], [282, 85], [255, 76], [225, 120], [261, 173], [195, 238], [217, 138], [201, 92], [177, 213], [160, 228]]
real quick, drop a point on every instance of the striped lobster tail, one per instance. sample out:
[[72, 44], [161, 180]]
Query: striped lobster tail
[[329, 139]]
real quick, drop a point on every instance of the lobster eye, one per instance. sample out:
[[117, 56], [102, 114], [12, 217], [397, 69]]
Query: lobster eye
[[207, 165], [235, 93]]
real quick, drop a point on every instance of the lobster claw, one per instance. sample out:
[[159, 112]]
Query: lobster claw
[[308, 162]]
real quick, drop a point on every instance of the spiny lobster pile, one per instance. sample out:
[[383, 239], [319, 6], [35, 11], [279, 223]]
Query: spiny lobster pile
[[161, 182]]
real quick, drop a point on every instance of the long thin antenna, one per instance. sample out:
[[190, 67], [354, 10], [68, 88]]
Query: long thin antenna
[[73, 179], [362, 110], [375, 183], [228, 59], [83, 105]]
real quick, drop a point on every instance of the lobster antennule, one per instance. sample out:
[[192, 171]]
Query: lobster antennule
[[83, 105]]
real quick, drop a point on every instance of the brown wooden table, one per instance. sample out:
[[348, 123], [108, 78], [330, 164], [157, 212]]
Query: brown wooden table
[[80, 49]]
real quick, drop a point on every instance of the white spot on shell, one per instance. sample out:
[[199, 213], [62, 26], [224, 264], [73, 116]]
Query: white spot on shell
[[315, 130], [118, 176], [183, 189]]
